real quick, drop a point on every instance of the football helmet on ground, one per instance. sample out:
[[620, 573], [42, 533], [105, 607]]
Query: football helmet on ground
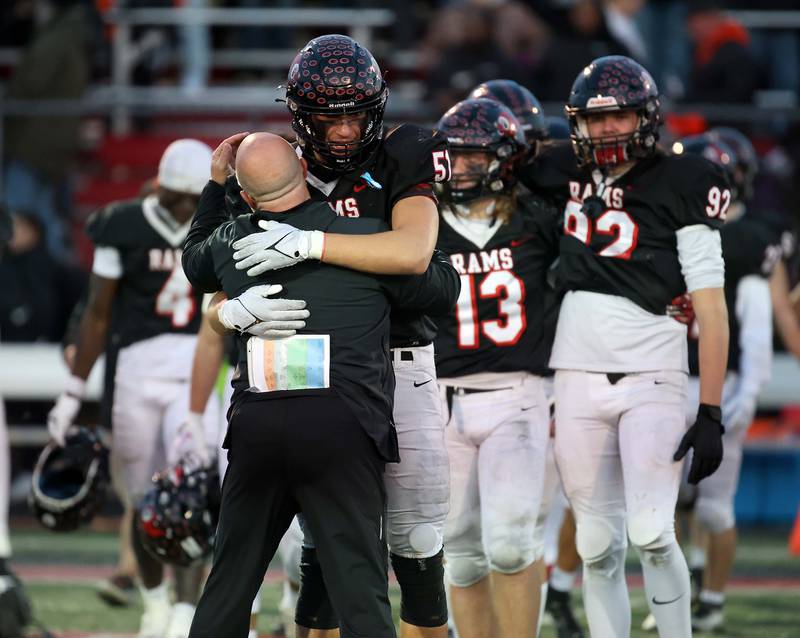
[[69, 483]]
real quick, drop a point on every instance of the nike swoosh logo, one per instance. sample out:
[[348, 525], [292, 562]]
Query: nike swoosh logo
[[359, 187], [416, 385], [658, 382], [526, 409], [519, 242], [666, 602]]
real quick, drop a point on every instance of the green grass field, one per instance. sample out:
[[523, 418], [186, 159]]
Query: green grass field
[[764, 601]]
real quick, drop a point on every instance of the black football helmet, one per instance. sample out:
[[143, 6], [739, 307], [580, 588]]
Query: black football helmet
[[335, 75], [69, 484], [614, 83], [482, 126], [557, 128], [714, 150], [177, 519], [523, 104], [747, 158]]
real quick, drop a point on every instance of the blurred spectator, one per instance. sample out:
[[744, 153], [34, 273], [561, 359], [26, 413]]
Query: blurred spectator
[[582, 36], [463, 53], [40, 150], [620, 19], [38, 292], [724, 67], [17, 20], [522, 36], [663, 27]]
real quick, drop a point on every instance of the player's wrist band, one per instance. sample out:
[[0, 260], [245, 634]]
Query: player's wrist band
[[316, 244], [75, 386]]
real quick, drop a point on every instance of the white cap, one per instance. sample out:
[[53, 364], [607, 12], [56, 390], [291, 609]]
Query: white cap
[[185, 166]]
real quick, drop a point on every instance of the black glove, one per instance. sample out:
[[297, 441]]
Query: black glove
[[705, 436]]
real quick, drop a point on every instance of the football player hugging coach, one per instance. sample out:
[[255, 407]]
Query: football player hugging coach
[[310, 428]]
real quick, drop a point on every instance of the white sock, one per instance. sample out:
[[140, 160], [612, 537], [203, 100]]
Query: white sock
[[561, 580], [712, 597], [156, 596], [697, 557], [289, 598], [666, 583], [252, 634], [5, 486], [542, 602], [605, 597]]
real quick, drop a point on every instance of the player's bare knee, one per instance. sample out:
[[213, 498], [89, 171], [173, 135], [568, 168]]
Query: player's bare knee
[[714, 516], [423, 602]]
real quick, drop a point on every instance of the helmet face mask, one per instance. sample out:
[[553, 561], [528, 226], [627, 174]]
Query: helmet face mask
[[334, 76], [487, 144], [610, 84]]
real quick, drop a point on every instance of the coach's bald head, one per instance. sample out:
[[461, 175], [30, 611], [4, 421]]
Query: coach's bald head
[[271, 175]]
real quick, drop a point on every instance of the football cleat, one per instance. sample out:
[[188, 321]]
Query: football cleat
[[707, 617], [649, 623], [559, 606], [118, 591]]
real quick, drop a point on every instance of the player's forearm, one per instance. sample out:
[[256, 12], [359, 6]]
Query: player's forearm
[[786, 318], [712, 318], [91, 341], [212, 314], [395, 252], [207, 360], [196, 262]]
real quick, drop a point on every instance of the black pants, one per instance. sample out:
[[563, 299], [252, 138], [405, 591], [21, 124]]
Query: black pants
[[305, 454]]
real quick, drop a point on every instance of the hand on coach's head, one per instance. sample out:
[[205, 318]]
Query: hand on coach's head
[[270, 172]]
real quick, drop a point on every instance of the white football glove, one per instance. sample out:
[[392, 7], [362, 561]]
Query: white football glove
[[739, 410], [190, 442], [63, 413], [279, 246], [255, 313]]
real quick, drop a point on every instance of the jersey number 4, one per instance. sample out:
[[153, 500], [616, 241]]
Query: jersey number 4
[[509, 291], [175, 299], [615, 223]]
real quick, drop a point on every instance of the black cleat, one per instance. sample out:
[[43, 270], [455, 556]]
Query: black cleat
[[559, 606], [707, 617], [118, 591]]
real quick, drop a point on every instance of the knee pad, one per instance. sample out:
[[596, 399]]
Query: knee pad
[[713, 515], [422, 540], [423, 602], [463, 571], [596, 537], [314, 608], [647, 531], [509, 558]]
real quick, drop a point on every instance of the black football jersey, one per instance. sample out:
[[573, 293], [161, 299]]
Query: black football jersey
[[154, 296], [498, 324], [620, 239], [408, 163], [749, 247]]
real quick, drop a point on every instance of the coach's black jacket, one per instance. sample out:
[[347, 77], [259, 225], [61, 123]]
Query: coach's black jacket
[[352, 307]]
